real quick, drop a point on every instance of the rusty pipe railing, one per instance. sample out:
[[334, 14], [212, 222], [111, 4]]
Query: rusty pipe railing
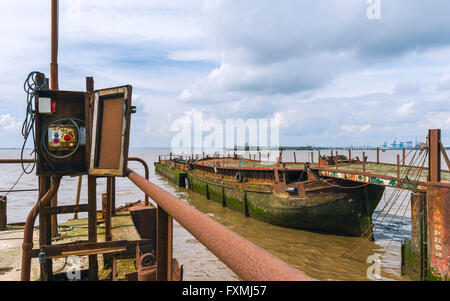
[[147, 173], [247, 260], [29, 227]]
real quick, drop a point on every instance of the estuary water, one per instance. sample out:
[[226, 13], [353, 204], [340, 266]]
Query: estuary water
[[318, 255]]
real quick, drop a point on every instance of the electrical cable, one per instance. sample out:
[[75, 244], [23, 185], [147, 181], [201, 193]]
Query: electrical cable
[[34, 81]]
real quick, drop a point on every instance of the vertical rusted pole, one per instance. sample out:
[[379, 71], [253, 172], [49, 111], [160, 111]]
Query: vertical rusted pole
[[312, 157], [92, 225], [107, 216], [108, 209], [398, 167], [54, 85], [3, 218], [434, 157], [54, 217], [259, 154], [113, 196], [320, 158], [378, 155], [404, 157], [54, 46], [45, 234], [350, 156], [163, 245], [77, 198], [364, 161], [295, 158]]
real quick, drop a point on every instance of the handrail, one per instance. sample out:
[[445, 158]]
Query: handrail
[[147, 173], [247, 260]]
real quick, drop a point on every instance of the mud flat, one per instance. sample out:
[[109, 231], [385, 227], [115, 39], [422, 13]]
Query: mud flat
[[70, 231]]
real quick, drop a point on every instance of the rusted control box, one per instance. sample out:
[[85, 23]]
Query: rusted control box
[[61, 120], [80, 133]]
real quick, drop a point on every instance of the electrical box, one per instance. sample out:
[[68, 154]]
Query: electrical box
[[61, 121], [110, 132]]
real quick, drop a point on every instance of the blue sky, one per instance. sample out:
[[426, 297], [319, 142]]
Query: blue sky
[[330, 75]]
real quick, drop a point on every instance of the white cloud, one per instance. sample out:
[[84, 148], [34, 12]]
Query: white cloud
[[9, 123], [320, 67], [355, 129]]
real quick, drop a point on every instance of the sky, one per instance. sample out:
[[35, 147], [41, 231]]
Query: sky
[[331, 72]]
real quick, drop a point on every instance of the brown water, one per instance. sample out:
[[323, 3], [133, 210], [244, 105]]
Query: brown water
[[318, 255]]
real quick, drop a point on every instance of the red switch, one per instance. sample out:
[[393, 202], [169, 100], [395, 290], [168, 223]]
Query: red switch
[[53, 106], [56, 140], [67, 138]]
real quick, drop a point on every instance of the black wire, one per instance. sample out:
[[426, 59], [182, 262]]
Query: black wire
[[30, 86]]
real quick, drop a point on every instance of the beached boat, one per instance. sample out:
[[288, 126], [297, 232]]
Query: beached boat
[[284, 194]]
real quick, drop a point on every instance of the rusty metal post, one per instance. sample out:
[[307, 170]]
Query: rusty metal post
[[364, 161], [163, 245], [54, 217], [404, 157], [107, 216], [312, 157], [92, 225], [319, 159], [350, 156], [398, 167], [378, 155], [54, 85], [434, 156], [45, 231], [77, 198], [27, 245], [295, 158], [3, 217], [113, 196]]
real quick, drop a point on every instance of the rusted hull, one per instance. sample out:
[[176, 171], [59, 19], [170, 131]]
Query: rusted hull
[[322, 208]]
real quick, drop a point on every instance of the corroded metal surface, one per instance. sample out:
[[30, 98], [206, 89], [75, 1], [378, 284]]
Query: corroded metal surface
[[246, 259], [438, 225]]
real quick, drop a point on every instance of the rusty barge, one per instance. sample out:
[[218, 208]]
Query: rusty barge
[[290, 194]]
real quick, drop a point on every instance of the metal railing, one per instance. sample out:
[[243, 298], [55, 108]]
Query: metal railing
[[244, 258]]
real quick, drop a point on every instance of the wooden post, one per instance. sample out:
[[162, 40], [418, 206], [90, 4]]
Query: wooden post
[[398, 167], [295, 158], [3, 217], [350, 156], [312, 157]]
